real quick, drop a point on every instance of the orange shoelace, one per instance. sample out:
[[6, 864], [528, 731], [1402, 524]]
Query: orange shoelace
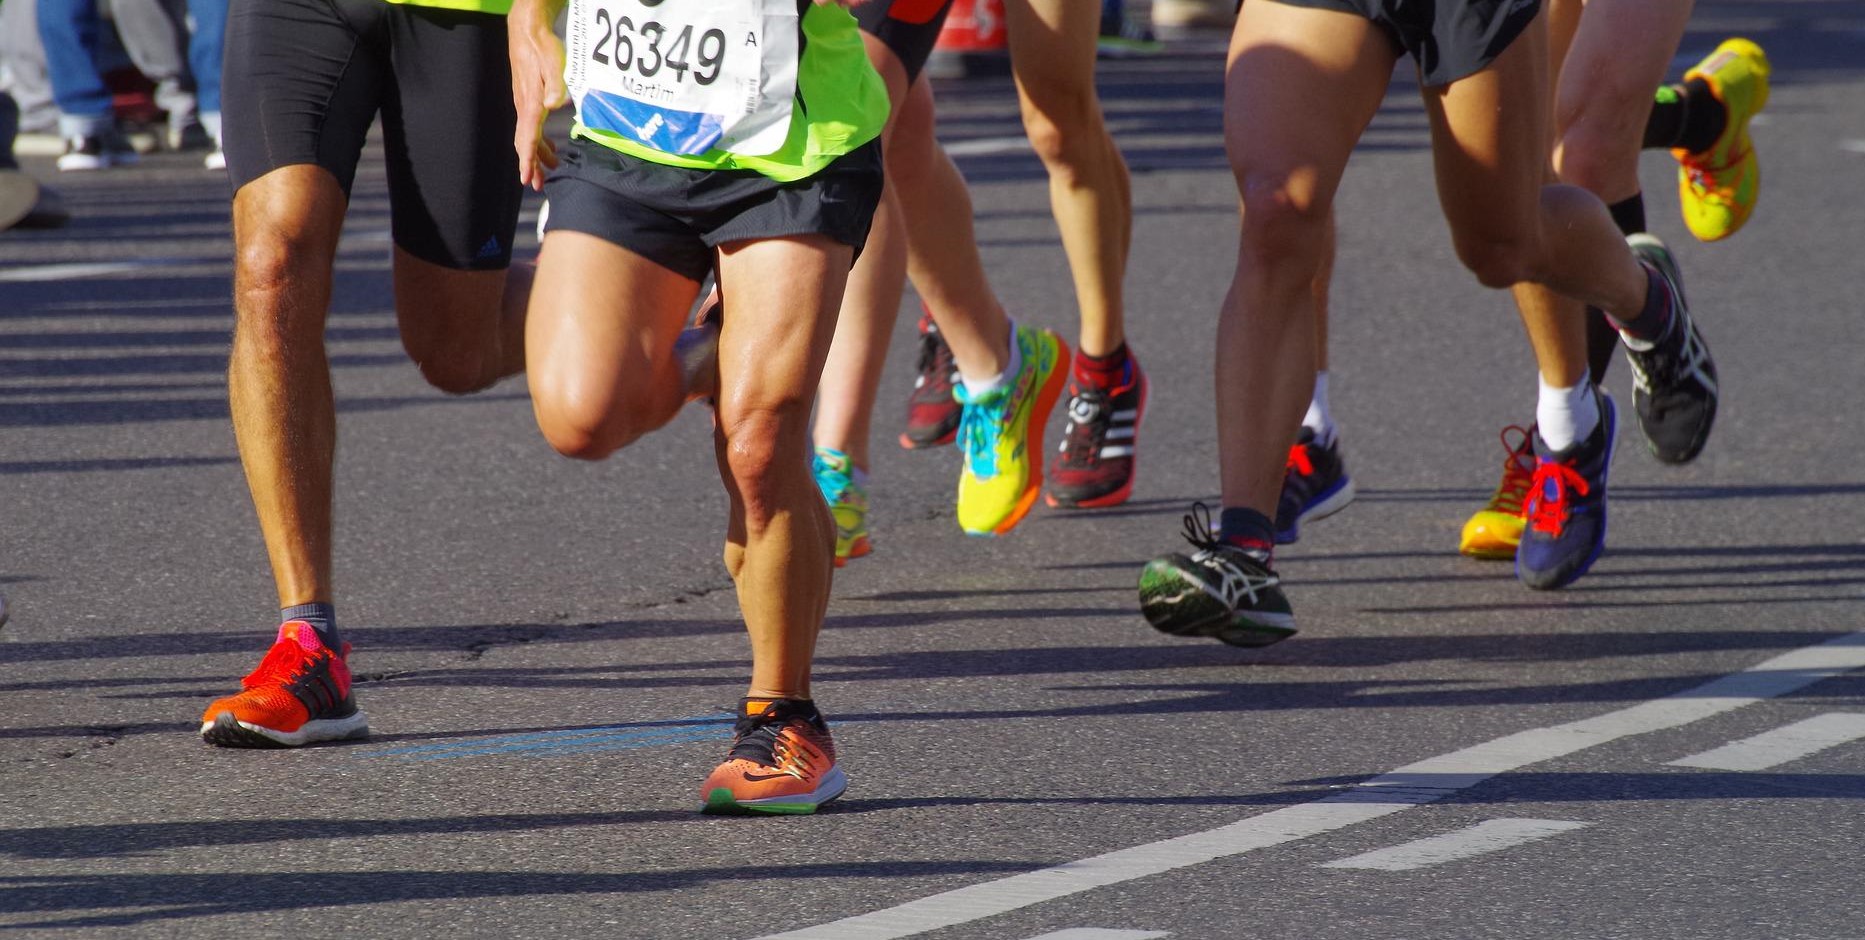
[[1518, 472]]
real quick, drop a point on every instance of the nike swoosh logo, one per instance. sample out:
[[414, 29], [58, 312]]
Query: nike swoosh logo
[[760, 778]]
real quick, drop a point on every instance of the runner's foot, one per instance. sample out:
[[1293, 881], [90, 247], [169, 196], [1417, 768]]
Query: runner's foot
[[782, 761], [1566, 508], [932, 412], [848, 502], [1496, 529], [1095, 468], [1315, 486], [1717, 187], [1674, 385], [1222, 590], [1001, 436], [299, 694]]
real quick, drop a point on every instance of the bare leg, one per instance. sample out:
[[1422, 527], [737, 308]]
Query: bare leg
[[1052, 52], [780, 537], [942, 246], [1288, 143]]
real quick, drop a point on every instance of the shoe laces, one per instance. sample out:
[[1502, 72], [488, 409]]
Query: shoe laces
[[1089, 414], [935, 366], [1553, 482], [285, 662], [1221, 557], [980, 426], [760, 739], [1518, 472]]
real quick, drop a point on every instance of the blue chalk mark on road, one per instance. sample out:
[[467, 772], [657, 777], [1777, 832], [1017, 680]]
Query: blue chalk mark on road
[[573, 740]]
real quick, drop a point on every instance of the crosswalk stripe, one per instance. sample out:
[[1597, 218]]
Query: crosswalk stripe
[[1783, 744], [1492, 835]]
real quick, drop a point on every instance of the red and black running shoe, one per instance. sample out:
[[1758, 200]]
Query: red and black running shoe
[[1096, 465], [299, 694], [932, 412]]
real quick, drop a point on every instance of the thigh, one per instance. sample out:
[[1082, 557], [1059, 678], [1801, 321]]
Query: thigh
[[1620, 52], [1490, 139], [782, 296], [1301, 86], [1052, 47], [302, 85], [447, 130]]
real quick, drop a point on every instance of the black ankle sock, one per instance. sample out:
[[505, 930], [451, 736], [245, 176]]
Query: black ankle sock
[[1686, 115], [1629, 214], [322, 618], [1602, 344], [1246, 529], [1654, 320]]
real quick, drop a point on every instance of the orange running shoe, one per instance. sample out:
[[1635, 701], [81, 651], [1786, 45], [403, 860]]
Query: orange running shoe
[[1496, 529], [299, 694], [781, 761]]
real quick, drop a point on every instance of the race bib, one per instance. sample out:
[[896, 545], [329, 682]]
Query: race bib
[[685, 76]]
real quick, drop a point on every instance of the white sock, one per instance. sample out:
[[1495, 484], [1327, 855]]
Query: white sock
[[982, 387], [1566, 415], [1319, 419]]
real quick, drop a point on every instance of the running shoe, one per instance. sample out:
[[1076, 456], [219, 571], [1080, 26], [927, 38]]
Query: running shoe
[[848, 502], [1096, 466], [1496, 529], [1315, 485], [1221, 590], [1674, 387], [782, 761], [1717, 187], [300, 694], [1003, 465], [1566, 508], [932, 411]]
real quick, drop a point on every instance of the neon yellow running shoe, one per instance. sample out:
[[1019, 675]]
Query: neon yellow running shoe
[[1003, 469], [1717, 187], [848, 502]]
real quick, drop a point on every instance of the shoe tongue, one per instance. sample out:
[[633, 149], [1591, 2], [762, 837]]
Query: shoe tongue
[[301, 633], [754, 707]]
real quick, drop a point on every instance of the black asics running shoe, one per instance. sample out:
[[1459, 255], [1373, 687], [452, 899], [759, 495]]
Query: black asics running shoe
[[1674, 387], [1221, 591]]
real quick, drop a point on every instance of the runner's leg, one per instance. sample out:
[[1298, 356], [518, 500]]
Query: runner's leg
[[1052, 54]]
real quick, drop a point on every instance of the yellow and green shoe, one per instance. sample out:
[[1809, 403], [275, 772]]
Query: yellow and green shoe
[[1717, 187], [1001, 435], [848, 503]]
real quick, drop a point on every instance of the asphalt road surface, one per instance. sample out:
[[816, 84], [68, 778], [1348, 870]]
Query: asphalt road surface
[[1672, 747]]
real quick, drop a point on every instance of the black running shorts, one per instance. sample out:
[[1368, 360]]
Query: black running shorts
[[908, 28], [305, 78], [1449, 39], [675, 217]]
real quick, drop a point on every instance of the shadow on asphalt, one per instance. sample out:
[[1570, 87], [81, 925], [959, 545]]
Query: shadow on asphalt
[[151, 899]]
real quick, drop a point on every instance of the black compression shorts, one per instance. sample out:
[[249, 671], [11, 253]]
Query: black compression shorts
[[675, 216], [305, 78], [1449, 39], [908, 28]]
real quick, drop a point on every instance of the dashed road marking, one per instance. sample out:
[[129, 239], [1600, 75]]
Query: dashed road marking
[[1783, 744], [1426, 781], [986, 146], [1491, 835]]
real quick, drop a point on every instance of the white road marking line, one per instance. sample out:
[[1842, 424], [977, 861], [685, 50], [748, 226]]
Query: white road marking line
[[1101, 933], [1783, 744], [82, 269], [985, 146], [1852, 146], [1492, 835], [1414, 784]]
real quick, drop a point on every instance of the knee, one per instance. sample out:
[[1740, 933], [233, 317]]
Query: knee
[[1498, 261], [1283, 226], [1064, 127], [581, 424], [457, 351], [764, 448], [268, 271]]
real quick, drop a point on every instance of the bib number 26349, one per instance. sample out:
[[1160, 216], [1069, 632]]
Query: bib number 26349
[[686, 76]]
